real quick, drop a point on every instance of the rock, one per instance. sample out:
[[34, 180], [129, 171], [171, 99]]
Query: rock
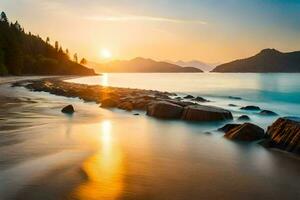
[[165, 110], [68, 109], [250, 108], [284, 134], [232, 105], [136, 114], [236, 98], [228, 127], [108, 103], [140, 104], [180, 103], [178, 98], [205, 113], [268, 113], [188, 97], [244, 118], [126, 106], [200, 99], [246, 132]]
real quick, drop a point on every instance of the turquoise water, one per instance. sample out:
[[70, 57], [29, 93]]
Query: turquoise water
[[277, 92], [112, 154]]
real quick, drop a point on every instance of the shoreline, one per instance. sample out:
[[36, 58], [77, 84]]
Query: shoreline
[[58, 185], [166, 105]]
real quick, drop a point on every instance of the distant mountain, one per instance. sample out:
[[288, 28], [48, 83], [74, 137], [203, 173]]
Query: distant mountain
[[268, 60], [195, 63], [141, 65], [23, 53]]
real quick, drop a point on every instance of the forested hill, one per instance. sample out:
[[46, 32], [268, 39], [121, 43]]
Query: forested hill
[[26, 54]]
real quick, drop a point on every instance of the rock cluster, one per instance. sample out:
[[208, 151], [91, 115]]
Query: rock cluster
[[157, 104]]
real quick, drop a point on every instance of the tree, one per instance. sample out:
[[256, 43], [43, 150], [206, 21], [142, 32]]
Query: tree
[[83, 61], [75, 58], [67, 52], [3, 17], [56, 46], [60, 50], [22, 53], [18, 26]]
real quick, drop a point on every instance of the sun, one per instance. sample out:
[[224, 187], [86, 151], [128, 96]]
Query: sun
[[105, 53]]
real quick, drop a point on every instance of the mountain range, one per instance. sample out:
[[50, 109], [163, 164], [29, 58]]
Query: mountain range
[[195, 63], [141, 65], [268, 60]]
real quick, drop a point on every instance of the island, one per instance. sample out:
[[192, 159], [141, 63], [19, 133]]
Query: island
[[267, 61], [142, 65]]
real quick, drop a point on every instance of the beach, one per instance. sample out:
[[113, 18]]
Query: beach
[[110, 153]]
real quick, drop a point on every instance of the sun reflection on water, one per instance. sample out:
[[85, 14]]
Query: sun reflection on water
[[103, 170], [104, 79]]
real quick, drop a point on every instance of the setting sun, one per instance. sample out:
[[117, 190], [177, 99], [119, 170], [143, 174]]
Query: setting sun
[[105, 53]]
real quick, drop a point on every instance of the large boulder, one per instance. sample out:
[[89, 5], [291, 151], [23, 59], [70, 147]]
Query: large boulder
[[284, 134], [246, 132], [228, 127], [165, 110], [205, 113], [108, 103], [68, 109]]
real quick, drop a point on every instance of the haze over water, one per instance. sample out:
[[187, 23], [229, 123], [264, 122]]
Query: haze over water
[[112, 154]]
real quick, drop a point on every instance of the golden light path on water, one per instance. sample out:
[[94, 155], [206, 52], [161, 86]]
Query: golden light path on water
[[104, 169], [104, 79]]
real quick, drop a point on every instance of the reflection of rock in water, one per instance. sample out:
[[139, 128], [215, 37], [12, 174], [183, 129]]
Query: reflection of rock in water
[[103, 170]]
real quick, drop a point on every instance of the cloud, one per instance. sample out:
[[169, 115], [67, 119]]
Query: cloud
[[143, 18]]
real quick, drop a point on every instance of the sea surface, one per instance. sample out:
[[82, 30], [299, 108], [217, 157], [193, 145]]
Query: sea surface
[[112, 154]]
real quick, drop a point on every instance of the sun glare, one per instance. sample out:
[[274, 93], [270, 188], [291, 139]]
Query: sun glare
[[105, 53]]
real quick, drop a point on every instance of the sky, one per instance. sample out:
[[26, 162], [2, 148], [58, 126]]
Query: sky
[[213, 31]]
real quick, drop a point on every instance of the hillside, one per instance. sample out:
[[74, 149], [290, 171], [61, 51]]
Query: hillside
[[26, 54], [141, 65], [268, 60]]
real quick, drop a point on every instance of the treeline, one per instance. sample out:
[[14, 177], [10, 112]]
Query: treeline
[[27, 54]]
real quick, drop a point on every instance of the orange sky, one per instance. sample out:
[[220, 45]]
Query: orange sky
[[162, 30]]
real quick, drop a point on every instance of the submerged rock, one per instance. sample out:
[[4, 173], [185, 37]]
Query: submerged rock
[[232, 105], [246, 132], [200, 99], [268, 113], [250, 108], [236, 98], [68, 109], [165, 110], [284, 134], [243, 118], [228, 127], [188, 97], [205, 113]]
